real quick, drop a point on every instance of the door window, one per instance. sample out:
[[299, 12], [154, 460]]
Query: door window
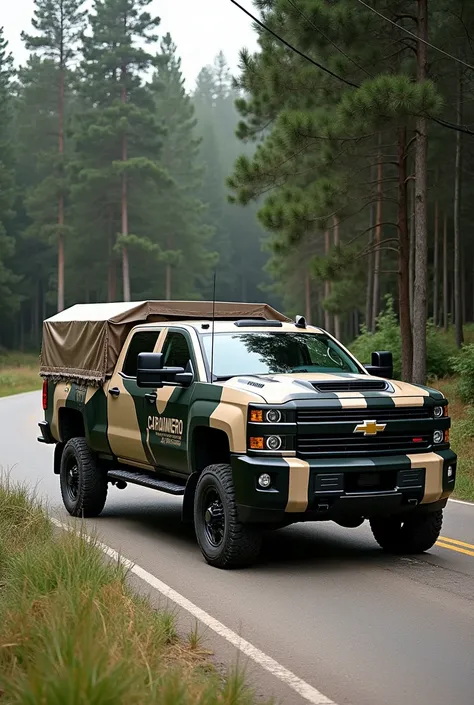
[[176, 351], [143, 341]]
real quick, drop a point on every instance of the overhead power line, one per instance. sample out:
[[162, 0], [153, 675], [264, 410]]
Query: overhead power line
[[293, 48], [415, 36], [328, 39]]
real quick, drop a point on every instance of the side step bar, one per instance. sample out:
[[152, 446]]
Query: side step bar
[[146, 480]]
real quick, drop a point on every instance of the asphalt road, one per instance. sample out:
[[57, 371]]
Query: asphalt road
[[361, 627]]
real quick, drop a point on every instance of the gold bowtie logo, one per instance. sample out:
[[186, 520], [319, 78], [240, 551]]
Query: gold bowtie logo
[[370, 428]]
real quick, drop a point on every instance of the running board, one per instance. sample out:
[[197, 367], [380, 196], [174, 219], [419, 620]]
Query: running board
[[146, 480]]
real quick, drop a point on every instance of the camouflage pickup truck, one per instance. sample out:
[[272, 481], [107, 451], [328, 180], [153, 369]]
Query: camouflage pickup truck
[[256, 420]]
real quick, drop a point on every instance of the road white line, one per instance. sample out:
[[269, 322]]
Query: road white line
[[305, 690], [461, 501]]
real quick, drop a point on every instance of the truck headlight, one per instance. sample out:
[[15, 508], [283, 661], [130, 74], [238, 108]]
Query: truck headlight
[[273, 442], [273, 416], [438, 436], [438, 412]]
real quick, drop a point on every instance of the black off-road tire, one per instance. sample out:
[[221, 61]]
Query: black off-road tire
[[414, 534], [83, 482], [241, 543]]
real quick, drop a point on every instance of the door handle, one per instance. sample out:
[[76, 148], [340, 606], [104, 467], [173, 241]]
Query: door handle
[[114, 392], [151, 397]]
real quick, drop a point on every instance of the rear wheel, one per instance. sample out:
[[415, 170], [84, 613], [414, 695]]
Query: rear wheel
[[415, 534], [83, 482], [224, 541]]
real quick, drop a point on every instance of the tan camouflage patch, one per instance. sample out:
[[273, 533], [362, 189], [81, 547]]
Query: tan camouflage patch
[[352, 400], [433, 464], [123, 430], [298, 485], [408, 401], [90, 393], [61, 392], [230, 416], [163, 396]]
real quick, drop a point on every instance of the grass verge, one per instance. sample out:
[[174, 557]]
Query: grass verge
[[72, 632], [19, 372], [462, 438]]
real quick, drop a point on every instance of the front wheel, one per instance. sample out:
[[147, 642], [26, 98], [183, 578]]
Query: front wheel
[[224, 541], [83, 483], [414, 534]]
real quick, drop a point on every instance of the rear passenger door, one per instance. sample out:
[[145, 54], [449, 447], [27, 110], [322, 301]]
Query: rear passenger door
[[168, 432], [127, 418]]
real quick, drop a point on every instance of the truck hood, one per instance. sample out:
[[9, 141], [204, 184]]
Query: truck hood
[[354, 388]]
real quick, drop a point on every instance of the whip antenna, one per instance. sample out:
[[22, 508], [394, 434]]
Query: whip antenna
[[213, 321]]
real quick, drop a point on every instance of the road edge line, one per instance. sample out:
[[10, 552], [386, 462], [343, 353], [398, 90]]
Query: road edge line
[[305, 690], [461, 501]]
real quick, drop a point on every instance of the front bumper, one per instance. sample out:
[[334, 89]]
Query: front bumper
[[341, 488]]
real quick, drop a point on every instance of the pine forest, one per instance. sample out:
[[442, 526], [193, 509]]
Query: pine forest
[[329, 176]]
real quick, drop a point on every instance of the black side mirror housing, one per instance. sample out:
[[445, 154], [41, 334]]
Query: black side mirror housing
[[382, 365], [151, 373]]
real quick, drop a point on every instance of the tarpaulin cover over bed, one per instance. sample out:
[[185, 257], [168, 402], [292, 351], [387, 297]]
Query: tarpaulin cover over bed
[[83, 342]]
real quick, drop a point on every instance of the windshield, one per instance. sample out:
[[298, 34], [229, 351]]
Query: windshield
[[273, 353]]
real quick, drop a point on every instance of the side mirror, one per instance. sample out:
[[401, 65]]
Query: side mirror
[[151, 373], [382, 365]]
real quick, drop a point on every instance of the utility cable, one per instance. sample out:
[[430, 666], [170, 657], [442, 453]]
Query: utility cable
[[293, 48], [328, 39], [415, 36]]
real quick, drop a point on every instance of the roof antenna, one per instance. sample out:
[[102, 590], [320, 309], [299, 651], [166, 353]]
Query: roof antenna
[[213, 322]]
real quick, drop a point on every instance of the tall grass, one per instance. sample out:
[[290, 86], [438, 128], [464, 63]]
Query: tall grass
[[19, 372], [72, 632]]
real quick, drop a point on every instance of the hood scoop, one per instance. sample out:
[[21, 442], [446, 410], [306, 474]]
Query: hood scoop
[[354, 385]]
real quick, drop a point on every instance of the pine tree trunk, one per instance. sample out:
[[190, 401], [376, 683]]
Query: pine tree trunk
[[337, 317], [168, 283], [445, 274], [421, 226], [404, 260], [60, 304], [458, 317], [307, 297], [125, 259], [327, 285], [370, 272], [436, 265], [112, 277], [378, 239], [412, 248]]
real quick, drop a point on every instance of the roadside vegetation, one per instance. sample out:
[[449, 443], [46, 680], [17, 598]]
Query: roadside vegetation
[[72, 631], [18, 373]]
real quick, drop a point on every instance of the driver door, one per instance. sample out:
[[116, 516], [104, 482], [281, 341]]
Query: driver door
[[168, 414]]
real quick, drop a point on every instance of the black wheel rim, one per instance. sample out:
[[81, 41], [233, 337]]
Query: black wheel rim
[[72, 479], [213, 517]]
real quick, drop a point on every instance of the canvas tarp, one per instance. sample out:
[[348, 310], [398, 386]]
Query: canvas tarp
[[83, 343]]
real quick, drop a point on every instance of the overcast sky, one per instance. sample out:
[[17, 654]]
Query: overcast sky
[[200, 28]]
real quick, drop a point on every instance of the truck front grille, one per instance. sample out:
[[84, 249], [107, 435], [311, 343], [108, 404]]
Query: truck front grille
[[342, 444], [359, 415]]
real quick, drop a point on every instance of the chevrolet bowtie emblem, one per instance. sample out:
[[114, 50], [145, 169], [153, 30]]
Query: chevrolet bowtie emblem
[[370, 428]]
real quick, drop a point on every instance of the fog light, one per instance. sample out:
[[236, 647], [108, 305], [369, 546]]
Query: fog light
[[273, 442], [265, 480], [438, 436], [438, 412], [273, 416], [450, 471]]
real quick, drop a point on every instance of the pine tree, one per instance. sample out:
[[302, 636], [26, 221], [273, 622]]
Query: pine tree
[[9, 299], [324, 131], [58, 25], [185, 235], [118, 139]]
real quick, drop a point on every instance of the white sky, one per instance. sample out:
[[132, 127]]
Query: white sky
[[200, 28]]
